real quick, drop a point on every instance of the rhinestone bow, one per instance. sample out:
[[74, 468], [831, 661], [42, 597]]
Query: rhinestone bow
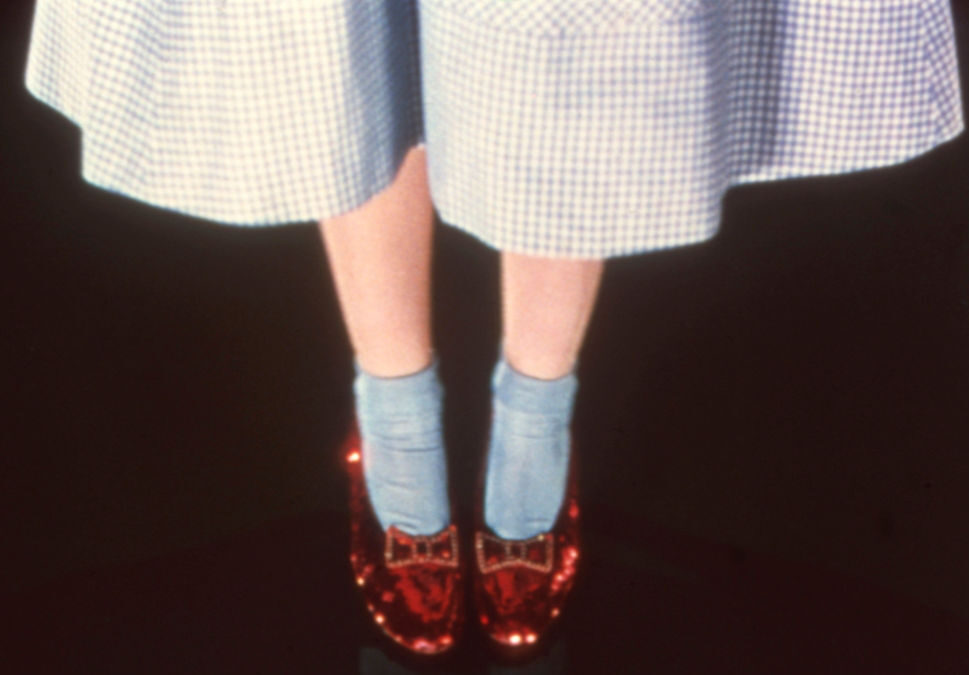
[[495, 553], [403, 549]]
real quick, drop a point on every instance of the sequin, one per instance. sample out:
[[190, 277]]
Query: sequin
[[412, 585], [521, 586]]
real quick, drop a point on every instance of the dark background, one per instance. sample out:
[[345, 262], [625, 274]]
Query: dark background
[[772, 426]]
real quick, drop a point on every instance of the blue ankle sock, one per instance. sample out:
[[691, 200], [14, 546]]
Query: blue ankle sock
[[403, 449], [528, 454]]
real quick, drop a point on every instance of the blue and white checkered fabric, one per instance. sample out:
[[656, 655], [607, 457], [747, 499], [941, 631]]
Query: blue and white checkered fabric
[[597, 128], [567, 128], [240, 111]]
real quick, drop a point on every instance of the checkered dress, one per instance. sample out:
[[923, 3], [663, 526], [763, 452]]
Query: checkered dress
[[567, 128], [249, 112]]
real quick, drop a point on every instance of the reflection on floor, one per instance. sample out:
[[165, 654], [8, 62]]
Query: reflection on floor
[[279, 599]]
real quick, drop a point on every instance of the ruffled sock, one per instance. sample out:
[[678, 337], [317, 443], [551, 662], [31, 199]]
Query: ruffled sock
[[528, 453], [403, 449]]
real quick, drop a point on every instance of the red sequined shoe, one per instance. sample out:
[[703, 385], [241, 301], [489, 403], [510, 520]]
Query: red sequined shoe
[[411, 584], [521, 586]]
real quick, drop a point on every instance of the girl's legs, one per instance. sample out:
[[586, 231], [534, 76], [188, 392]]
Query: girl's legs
[[546, 307], [380, 258]]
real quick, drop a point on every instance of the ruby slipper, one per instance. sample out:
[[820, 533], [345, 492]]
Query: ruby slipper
[[521, 586], [411, 584]]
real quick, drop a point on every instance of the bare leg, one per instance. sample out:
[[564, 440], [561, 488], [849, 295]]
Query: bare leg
[[380, 258], [546, 306]]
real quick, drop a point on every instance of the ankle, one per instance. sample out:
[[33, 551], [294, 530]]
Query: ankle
[[394, 363], [541, 366], [533, 396]]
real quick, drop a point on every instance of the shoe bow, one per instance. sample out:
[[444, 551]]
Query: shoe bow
[[495, 553], [402, 549]]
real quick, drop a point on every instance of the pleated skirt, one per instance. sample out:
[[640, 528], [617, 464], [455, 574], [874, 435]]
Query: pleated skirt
[[560, 128]]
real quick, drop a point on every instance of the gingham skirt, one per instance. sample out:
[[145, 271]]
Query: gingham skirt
[[566, 128]]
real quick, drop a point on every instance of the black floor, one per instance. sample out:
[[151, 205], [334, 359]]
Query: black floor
[[775, 447]]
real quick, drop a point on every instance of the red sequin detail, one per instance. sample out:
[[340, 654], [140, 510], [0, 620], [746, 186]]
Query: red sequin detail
[[411, 584], [521, 586]]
